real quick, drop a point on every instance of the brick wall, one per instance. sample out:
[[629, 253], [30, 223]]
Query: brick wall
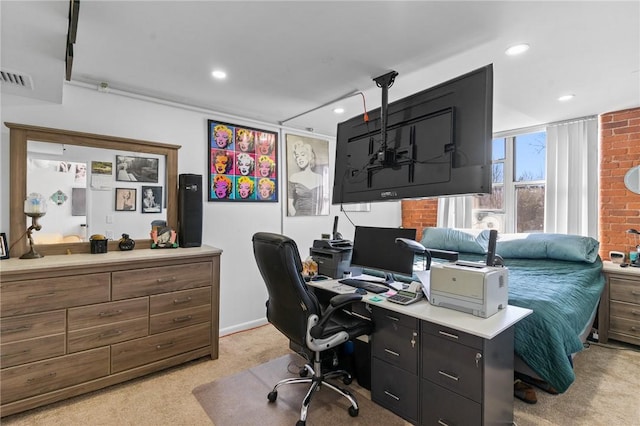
[[419, 214], [619, 207]]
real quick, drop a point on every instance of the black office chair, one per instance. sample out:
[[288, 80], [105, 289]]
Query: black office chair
[[294, 310]]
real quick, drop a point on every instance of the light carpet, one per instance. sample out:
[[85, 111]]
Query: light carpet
[[241, 400]]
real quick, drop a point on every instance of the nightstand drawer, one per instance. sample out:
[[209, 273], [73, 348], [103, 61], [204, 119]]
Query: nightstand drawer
[[624, 326], [31, 350], [179, 300], [45, 376], [24, 297], [625, 310], [142, 351], [31, 326], [108, 334], [148, 281], [178, 319], [108, 313], [624, 290]]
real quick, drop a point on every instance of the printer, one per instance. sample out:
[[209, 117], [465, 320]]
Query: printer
[[332, 256], [469, 287]]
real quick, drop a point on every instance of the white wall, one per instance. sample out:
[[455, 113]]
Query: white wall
[[228, 226]]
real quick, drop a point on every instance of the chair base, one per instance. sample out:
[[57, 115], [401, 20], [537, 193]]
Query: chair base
[[317, 381]]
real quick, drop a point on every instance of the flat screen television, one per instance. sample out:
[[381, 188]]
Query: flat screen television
[[375, 248], [436, 142]]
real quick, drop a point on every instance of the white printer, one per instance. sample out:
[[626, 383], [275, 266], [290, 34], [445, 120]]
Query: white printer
[[469, 287]]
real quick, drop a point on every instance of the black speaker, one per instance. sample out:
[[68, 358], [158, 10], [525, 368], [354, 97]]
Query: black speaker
[[190, 210]]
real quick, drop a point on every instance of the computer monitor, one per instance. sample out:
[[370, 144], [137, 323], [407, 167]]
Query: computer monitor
[[375, 248]]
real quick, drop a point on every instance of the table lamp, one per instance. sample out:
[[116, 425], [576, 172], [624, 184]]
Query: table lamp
[[35, 206]]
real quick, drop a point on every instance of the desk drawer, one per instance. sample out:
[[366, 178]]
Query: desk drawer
[[30, 326], [387, 318], [142, 351], [440, 406], [178, 319], [145, 282], [395, 389], [452, 335], [30, 350], [453, 366], [103, 335], [179, 300], [30, 296], [45, 376], [396, 345], [107, 313]]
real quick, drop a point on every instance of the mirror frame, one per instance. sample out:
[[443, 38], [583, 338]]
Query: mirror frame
[[20, 134], [627, 179]]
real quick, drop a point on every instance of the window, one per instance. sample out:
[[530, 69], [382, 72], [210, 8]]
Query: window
[[516, 203]]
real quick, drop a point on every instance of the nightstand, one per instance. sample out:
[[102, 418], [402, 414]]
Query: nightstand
[[619, 312]]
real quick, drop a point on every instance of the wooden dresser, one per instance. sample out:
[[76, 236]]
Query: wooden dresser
[[619, 312], [73, 324]]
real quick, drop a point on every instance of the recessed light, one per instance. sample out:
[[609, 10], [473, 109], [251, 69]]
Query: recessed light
[[517, 49], [565, 98], [219, 74], [338, 110]]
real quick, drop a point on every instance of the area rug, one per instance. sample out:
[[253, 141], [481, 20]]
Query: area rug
[[241, 399]]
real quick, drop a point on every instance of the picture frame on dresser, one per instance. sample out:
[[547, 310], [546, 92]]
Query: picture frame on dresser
[[4, 247]]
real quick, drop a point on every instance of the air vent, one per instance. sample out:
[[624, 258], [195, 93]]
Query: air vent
[[16, 79]]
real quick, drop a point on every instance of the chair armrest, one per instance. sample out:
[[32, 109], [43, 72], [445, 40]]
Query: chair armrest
[[336, 303], [340, 300]]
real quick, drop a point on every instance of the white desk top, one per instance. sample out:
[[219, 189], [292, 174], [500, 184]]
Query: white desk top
[[487, 328]]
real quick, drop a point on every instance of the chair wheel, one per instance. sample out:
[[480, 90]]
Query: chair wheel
[[353, 412], [301, 423], [304, 372], [272, 396], [347, 380]]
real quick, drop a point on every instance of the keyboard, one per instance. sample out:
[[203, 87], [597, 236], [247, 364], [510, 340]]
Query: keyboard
[[367, 285]]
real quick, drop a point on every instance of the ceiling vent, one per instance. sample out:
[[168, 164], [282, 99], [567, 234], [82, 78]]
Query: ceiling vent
[[15, 79]]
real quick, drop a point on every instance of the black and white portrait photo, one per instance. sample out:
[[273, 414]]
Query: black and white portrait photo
[[151, 199], [307, 176]]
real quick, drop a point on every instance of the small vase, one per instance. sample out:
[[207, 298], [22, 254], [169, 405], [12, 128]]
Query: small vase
[[126, 243]]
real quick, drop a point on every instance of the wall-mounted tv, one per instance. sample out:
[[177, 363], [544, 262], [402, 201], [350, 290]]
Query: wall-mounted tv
[[436, 142]]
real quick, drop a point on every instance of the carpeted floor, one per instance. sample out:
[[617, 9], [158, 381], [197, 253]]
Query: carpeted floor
[[605, 391]]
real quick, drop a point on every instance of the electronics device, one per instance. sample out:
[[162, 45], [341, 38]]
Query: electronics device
[[412, 294], [477, 289], [375, 248], [190, 210], [335, 234], [617, 257], [435, 142]]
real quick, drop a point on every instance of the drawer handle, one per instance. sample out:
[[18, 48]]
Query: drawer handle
[[393, 318], [110, 333], [635, 293], [41, 378], [634, 328], [444, 333], [40, 296], [164, 345], [110, 313], [389, 351], [166, 280], [179, 301], [389, 394], [183, 319], [5, 356], [634, 312], [450, 376], [17, 329], [443, 422]]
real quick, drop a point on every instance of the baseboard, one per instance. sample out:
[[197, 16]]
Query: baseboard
[[243, 327]]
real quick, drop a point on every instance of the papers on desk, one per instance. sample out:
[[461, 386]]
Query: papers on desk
[[425, 280]]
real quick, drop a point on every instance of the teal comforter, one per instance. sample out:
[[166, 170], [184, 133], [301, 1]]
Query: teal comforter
[[563, 295]]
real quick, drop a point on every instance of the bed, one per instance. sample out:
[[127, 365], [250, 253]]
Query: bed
[[558, 276]]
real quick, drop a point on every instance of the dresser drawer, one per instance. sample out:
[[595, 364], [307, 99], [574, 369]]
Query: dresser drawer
[[24, 297], [158, 346], [395, 389], [629, 311], [180, 300], [148, 281], [625, 326], [178, 319], [103, 335], [45, 376], [624, 290], [30, 350], [33, 325], [440, 406], [453, 366], [397, 345], [452, 335], [108, 313]]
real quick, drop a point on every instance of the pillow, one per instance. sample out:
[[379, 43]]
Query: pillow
[[574, 248], [460, 240]]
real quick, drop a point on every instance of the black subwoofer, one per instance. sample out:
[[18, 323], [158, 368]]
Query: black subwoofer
[[190, 210]]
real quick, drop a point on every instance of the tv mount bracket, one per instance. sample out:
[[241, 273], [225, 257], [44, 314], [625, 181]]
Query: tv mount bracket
[[385, 81]]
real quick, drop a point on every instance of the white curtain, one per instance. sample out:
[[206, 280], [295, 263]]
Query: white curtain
[[571, 200], [455, 212]]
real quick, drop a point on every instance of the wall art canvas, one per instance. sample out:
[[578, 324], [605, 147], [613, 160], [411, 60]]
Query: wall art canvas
[[307, 176], [243, 163]]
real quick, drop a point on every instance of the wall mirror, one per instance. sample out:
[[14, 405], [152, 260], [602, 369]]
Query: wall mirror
[[81, 176], [632, 179]]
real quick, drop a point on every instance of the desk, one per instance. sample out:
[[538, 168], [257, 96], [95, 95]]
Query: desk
[[433, 365]]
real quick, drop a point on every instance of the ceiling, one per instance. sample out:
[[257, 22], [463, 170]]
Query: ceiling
[[288, 61]]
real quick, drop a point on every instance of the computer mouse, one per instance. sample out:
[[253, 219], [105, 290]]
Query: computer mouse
[[360, 291]]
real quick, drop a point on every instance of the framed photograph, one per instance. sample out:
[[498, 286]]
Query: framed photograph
[[126, 199], [136, 169], [4, 247], [151, 199], [243, 163], [308, 189]]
